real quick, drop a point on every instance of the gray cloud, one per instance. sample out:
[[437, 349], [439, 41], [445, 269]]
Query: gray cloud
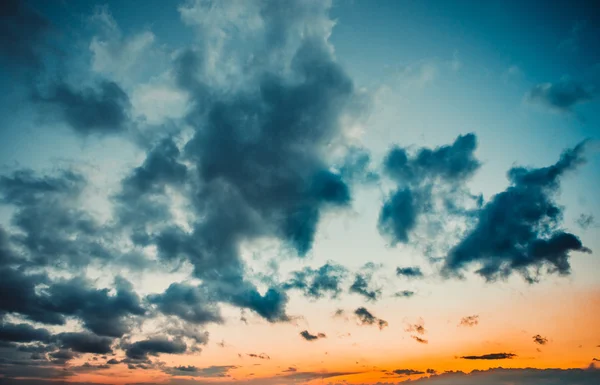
[[365, 317], [518, 230], [561, 96], [409, 272], [423, 178]]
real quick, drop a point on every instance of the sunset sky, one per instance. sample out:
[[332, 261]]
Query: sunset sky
[[299, 192]]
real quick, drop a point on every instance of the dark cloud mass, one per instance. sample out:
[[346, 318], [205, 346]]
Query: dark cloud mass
[[422, 179], [23, 33], [152, 346], [518, 230], [85, 343], [561, 96], [491, 356], [101, 109]]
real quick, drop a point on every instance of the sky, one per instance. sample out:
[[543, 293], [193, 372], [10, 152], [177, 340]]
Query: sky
[[271, 192]]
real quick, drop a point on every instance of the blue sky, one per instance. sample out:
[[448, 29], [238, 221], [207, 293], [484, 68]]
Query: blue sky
[[270, 192]]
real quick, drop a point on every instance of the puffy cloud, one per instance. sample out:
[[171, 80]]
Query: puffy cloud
[[561, 96], [23, 333], [423, 179], [518, 230], [188, 303], [362, 286], [365, 317], [100, 109], [85, 343], [154, 346], [316, 283]]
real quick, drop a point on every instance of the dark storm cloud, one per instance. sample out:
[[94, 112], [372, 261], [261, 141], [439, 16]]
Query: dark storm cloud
[[366, 318], [518, 230], [101, 109], [538, 339], [471, 320], [100, 312], [311, 337], [23, 333], [153, 346], [445, 167], [136, 204], [23, 33], [317, 283], [561, 96], [188, 303], [54, 229], [491, 356], [362, 286], [85, 343], [409, 272]]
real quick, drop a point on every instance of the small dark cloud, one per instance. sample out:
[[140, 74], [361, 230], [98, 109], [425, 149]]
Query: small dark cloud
[[561, 96], [113, 361], [366, 318], [419, 339], [311, 337], [409, 272], [102, 109], [261, 356], [471, 320], [538, 339], [431, 371], [290, 370], [596, 359], [362, 286], [404, 294], [491, 356], [153, 346], [585, 221], [417, 328], [518, 230], [407, 372]]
